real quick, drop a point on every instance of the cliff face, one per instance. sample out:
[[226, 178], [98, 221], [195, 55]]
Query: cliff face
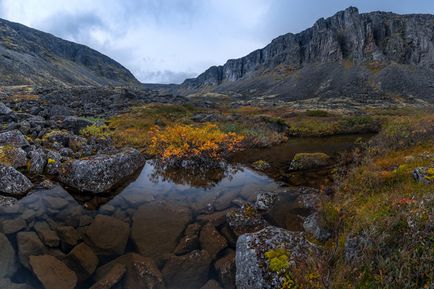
[[375, 41], [29, 56]]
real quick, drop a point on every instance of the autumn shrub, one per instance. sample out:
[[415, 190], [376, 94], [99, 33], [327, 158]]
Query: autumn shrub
[[181, 144]]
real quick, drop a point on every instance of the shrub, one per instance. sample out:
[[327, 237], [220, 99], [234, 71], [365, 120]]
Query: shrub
[[97, 131], [177, 143]]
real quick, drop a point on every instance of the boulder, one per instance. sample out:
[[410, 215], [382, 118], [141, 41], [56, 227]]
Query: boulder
[[111, 278], [261, 165], [69, 236], [190, 241], [157, 227], [29, 244], [246, 220], [75, 124], [52, 273], [187, 271], [13, 156], [107, 235], [101, 173], [47, 236], [7, 202], [313, 224], [4, 110], [252, 266], [225, 268], [211, 240], [14, 138], [141, 272], [13, 182], [83, 261], [8, 260], [307, 161], [13, 226], [38, 160], [265, 200], [54, 162]]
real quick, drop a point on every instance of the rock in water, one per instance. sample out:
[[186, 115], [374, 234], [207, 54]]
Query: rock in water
[[307, 161], [29, 245], [8, 261], [111, 278], [101, 173], [13, 182], [156, 228], [107, 235], [211, 240], [14, 138], [252, 265], [83, 261], [52, 273]]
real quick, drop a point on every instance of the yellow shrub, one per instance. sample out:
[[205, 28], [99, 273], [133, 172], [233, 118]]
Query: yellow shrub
[[185, 142]]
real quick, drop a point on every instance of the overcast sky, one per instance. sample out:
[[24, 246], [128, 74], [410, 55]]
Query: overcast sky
[[168, 40]]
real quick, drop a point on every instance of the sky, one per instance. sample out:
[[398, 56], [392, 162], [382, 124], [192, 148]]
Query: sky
[[166, 41]]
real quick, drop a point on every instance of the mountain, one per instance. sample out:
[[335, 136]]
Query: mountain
[[29, 56], [375, 55]]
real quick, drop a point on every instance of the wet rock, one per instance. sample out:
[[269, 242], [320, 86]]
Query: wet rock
[[225, 268], [313, 225], [187, 271], [47, 236], [424, 175], [13, 182], [52, 273], [225, 200], [55, 203], [83, 261], [29, 244], [107, 235], [265, 200], [8, 284], [69, 236], [211, 240], [251, 264], [13, 156], [8, 261], [217, 218], [211, 284], [13, 226], [38, 160], [229, 235], [142, 272], [307, 161], [246, 220], [111, 278], [157, 227], [101, 173], [190, 241], [14, 138], [75, 124]]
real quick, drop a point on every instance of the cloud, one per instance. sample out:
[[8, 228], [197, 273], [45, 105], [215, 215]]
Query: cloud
[[168, 40]]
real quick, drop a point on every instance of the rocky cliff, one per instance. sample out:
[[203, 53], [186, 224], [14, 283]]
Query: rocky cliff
[[29, 56], [349, 54]]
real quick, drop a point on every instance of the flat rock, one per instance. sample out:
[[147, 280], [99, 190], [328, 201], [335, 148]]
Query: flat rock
[[52, 273], [13, 182], [107, 235], [83, 261], [157, 227], [101, 173], [211, 240], [187, 271], [8, 260]]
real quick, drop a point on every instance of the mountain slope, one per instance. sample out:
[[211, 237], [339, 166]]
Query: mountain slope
[[29, 56], [368, 56]]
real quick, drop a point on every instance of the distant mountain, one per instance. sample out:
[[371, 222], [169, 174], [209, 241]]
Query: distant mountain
[[362, 56], [29, 56]]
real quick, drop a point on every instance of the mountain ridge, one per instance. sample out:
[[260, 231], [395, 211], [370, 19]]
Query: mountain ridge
[[29, 56]]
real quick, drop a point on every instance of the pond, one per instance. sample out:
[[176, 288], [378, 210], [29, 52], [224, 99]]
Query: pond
[[153, 210]]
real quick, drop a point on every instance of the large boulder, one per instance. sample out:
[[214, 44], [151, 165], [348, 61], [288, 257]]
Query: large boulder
[[8, 260], [141, 272], [13, 182], [157, 227], [52, 273], [187, 271], [307, 161], [107, 235], [13, 156], [14, 138], [101, 173], [254, 270]]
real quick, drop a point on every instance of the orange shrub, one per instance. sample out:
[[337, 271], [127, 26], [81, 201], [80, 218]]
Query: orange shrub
[[184, 142]]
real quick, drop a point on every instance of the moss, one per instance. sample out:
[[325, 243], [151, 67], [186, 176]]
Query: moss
[[97, 131], [51, 161], [278, 260], [5, 155]]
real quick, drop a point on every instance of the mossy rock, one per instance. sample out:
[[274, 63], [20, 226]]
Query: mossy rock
[[307, 161]]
